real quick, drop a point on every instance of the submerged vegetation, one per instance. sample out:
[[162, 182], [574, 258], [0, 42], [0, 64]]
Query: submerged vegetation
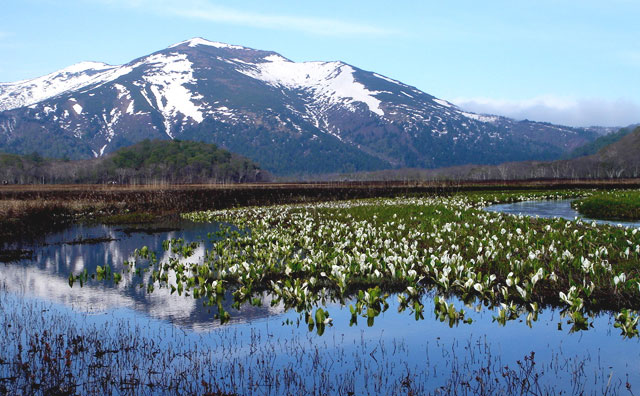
[[304, 256], [613, 205]]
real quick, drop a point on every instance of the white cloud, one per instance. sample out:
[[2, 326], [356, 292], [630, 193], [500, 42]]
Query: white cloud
[[558, 110], [208, 11]]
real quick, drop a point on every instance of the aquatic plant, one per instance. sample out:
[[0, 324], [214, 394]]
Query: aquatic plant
[[307, 254]]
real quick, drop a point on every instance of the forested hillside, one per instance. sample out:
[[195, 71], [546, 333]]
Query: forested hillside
[[157, 161], [601, 142]]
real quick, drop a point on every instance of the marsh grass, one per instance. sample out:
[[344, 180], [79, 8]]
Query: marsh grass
[[27, 219], [614, 205]]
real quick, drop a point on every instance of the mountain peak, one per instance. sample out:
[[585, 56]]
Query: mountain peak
[[196, 41], [289, 116]]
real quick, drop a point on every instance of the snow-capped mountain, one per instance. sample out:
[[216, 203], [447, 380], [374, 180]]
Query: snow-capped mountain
[[289, 116]]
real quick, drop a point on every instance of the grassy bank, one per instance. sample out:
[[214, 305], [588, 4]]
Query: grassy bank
[[618, 205]]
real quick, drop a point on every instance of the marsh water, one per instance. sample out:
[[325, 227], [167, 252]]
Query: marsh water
[[552, 208], [269, 339]]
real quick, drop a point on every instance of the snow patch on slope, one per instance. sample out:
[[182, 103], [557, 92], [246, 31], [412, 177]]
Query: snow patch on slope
[[122, 91], [110, 121], [388, 79], [168, 75], [27, 92], [84, 66], [130, 108], [479, 117], [331, 82], [442, 102]]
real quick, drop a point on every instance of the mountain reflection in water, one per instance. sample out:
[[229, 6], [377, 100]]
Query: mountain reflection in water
[[46, 274]]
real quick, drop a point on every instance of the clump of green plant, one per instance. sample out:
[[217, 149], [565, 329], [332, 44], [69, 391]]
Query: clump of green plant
[[627, 322], [614, 205]]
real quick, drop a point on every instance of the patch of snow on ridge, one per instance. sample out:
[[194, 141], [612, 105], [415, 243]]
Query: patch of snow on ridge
[[280, 58], [442, 102], [27, 92], [84, 66], [200, 41], [479, 117], [388, 79], [167, 75], [331, 82], [77, 108]]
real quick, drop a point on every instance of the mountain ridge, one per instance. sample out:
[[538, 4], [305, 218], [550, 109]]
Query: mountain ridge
[[288, 116]]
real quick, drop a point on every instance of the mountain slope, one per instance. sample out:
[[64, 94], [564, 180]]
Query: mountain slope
[[290, 117], [620, 159], [601, 142], [626, 151]]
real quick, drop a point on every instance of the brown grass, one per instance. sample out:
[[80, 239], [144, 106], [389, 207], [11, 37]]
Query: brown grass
[[29, 210], [12, 209]]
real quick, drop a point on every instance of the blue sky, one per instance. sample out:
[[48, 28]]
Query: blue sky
[[569, 62]]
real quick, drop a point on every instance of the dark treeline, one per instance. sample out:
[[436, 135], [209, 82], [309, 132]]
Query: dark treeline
[[148, 162]]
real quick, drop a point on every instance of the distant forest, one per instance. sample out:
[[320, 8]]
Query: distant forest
[[148, 162]]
